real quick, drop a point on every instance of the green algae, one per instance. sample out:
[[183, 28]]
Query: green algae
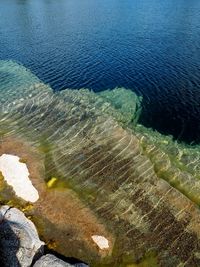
[[149, 260], [126, 102], [167, 157], [176, 163]]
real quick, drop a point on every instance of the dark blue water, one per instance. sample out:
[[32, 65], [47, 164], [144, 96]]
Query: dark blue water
[[149, 46]]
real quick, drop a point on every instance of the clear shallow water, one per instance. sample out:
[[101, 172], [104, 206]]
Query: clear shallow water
[[78, 141], [151, 47]]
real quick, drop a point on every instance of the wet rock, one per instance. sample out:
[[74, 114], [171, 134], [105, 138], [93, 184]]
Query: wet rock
[[51, 260], [19, 241]]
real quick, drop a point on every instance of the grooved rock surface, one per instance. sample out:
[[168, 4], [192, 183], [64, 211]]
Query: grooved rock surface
[[19, 241]]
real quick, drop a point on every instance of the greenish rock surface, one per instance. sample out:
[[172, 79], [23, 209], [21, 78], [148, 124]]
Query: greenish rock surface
[[98, 172], [126, 102]]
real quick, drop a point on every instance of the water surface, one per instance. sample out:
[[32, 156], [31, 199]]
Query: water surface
[[150, 47]]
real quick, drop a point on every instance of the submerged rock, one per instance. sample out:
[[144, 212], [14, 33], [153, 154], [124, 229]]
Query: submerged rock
[[19, 241], [126, 102], [96, 177], [16, 175]]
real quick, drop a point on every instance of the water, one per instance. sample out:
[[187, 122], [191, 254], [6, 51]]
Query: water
[[133, 186], [150, 47]]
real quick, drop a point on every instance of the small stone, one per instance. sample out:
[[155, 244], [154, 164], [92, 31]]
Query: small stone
[[16, 175], [101, 241]]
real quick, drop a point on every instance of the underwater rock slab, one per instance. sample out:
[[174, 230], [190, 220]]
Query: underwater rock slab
[[101, 178], [19, 241], [49, 260]]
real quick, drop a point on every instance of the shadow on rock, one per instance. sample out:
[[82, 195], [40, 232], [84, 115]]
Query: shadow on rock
[[9, 245], [19, 241]]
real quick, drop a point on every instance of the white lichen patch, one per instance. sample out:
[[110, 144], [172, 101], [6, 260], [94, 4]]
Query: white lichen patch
[[101, 241], [16, 174]]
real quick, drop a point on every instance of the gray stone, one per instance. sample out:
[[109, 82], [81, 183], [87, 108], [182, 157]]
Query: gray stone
[[50, 260], [19, 241]]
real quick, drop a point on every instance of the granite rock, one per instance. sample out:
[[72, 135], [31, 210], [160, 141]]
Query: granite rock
[[51, 260], [19, 241]]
